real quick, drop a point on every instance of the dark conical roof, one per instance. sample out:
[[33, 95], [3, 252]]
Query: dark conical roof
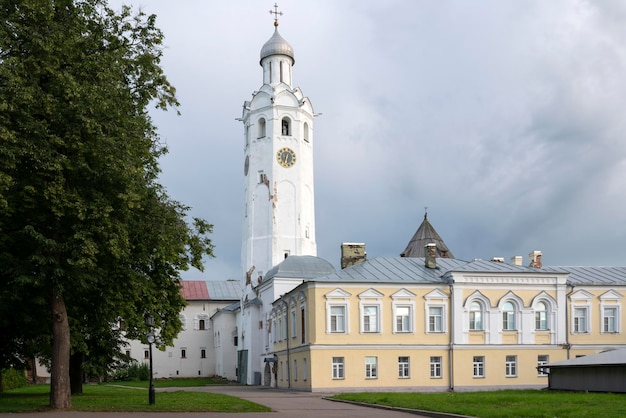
[[426, 234]]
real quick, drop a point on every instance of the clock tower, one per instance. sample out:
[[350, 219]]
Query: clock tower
[[278, 218], [278, 213]]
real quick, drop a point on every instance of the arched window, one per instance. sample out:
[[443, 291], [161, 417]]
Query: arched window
[[286, 127], [201, 325], [541, 316], [476, 317], [306, 132], [508, 316], [261, 128]]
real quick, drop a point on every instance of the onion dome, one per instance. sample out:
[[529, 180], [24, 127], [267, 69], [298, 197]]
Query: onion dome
[[277, 46]]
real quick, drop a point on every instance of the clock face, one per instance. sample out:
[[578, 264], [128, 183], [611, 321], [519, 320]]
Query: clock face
[[246, 165], [286, 157]]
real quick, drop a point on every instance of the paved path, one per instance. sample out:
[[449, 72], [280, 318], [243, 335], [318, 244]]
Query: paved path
[[284, 403]]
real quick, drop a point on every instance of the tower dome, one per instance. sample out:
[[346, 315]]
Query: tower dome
[[277, 45]]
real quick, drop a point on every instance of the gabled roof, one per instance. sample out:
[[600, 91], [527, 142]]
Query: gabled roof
[[194, 290], [210, 290], [300, 267], [606, 358], [426, 234]]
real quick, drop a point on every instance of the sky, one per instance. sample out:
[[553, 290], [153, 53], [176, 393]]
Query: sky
[[505, 118]]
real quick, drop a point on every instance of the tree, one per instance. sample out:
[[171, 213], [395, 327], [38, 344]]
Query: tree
[[87, 234]]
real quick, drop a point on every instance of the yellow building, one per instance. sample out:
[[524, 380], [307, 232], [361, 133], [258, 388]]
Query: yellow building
[[436, 324]]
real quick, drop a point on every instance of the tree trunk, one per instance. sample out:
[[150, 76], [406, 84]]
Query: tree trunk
[[76, 373], [60, 374]]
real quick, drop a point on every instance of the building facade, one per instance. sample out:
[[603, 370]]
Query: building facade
[[396, 324]]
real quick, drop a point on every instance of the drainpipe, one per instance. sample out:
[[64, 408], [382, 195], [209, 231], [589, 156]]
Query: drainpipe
[[451, 349], [287, 335], [568, 346]]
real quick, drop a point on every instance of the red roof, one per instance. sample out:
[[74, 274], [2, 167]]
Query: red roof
[[194, 290]]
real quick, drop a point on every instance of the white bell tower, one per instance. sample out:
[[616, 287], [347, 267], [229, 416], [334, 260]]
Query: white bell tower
[[279, 214]]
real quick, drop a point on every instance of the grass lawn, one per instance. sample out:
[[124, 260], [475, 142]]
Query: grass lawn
[[505, 403], [110, 398]]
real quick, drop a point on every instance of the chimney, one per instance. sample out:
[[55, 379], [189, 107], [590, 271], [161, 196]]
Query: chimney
[[352, 253], [535, 259], [431, 256], [517, 260], [497, 259]]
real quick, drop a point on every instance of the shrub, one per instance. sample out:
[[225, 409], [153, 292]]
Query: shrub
[[13, 379], [132, 372]]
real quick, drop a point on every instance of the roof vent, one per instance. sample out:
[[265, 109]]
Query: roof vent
[[517, 260], [498, 259], [431, 255]]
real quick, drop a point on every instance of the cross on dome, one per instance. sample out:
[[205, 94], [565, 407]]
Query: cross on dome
[[276, 13]]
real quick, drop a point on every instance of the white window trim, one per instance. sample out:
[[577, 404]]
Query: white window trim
[[618, 314], [403, 298], [371, 297], [411, 306], [435, 299], [485, 305], [430, 365], [372, 371], [343, 368], [587, 308], [408, 367], [338, 297], [508, 367], [483, 368]]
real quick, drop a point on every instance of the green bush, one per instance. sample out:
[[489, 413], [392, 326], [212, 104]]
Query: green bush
[[132, 372], [13, 379]]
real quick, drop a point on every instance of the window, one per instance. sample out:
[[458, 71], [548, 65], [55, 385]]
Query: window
[[203, 353], [476, 317], [183, 353], [294, 325], [306, 132], [479, 366], [304, 371], [261, 128], [580, 320], [282, 371], [338, 319], [127, 353], [435, 367], [511, 366], [279, 331], [295, 369], [338, 367], [609, 319], [370, 318], [403, 367], [403, 319], [508, 316], [146, 354], [435, 319], [201, 325], [541, 317], [542, 360], [371, 367], [286, 127]]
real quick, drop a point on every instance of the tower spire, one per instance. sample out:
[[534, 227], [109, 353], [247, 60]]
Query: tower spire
[[276, 13]]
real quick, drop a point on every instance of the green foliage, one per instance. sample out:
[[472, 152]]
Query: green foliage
[[132, 372], [82, 215], [12, 379], [115, 399]]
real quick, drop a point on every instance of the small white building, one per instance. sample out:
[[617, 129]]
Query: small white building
[[194, 353]]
